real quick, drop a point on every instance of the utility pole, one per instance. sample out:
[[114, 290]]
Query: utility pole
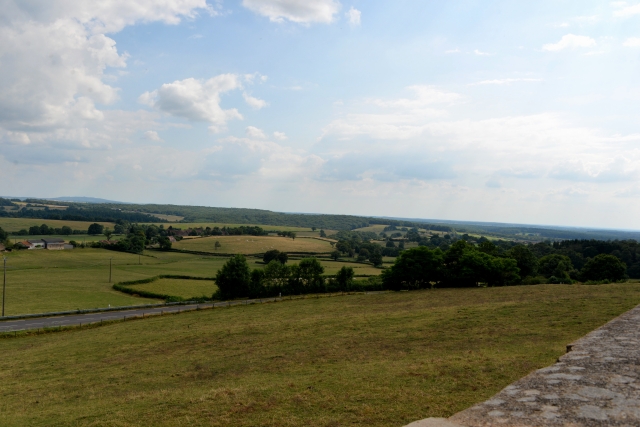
[[109, 270], [4, 284]]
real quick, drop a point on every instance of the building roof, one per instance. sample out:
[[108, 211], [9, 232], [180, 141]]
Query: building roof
[[35, 242], [54, 240]]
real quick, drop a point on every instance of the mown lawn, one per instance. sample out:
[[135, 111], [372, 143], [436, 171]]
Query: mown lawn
[[369, 360]]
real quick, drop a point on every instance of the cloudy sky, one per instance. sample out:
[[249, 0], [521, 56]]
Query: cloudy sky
[[505, 111]]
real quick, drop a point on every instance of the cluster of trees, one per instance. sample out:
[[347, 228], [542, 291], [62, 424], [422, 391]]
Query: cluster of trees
[[80, 212], [291, 234], [4, 237], [236, 280], [467, 265], [136, 237]]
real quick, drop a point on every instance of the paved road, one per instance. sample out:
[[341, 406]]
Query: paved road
[[84, 319]]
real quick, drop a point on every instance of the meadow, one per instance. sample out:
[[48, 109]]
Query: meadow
[[17, 224], [186, 225], [254, 244], [45, 281], [180, 287], [374, 360]]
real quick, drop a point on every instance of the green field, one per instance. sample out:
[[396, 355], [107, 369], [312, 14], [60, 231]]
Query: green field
[[186, 225], [254, 244], [369, 360], [180, 287], [44, 281], [17, 224]]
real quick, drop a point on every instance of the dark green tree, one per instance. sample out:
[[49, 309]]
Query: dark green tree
[[95, 229], [414, 269], [234, 278], [335, 255], [66, 230], [559, 266], [376, 259], [525, 259], [604, 267], [344, 278], [164, 242]]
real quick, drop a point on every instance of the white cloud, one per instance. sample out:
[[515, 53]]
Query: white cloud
[[280, 136], [560, 25], [452, 51], [196, 100], [254, 132], [254, 102], [480, 53], [299, 11], [627, 11], [569, 41], [152, 135], [54, 56], [504, 81], [353, 15], [632, 42]]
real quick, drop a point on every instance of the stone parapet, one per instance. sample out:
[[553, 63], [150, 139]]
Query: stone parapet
[[596, 383]]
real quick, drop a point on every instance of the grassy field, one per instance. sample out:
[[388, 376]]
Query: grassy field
[[253, 244], [44, 281], [80, 238], [17, 224], [370, 360], [179, 287], [185, 225]]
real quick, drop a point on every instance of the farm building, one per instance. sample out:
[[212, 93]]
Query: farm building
[[2, 248], [54, 244], [34, 244], [172, 239]]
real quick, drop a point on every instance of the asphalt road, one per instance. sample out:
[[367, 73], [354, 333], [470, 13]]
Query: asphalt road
[[85, 319]]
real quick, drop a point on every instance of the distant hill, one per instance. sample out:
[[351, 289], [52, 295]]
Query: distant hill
[[85, 200]]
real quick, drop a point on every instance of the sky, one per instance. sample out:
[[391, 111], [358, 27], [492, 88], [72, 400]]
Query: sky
[[522, 112]]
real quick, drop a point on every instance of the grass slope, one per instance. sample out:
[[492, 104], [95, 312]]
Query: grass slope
[[179, 287], [254, 244], [44, 281], [17, 224], [374, 360]]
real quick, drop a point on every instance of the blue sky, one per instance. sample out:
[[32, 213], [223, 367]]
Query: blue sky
[[493, 111]]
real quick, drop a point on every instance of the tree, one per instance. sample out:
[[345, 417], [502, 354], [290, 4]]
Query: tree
[[306, 277], [376, 259], [604, 267], [559, 266], [390, 244], [335, 255], [322, 233], [234, 278], [66, 230], [217, 245], [525, 259], [344, 278], [414, 269], [276, 255], [95, 229], [488, 247], [164, 242], [3, 235], [107, 233], [313, 228]]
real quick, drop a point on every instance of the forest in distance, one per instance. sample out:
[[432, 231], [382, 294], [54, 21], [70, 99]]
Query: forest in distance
[[157, 213]]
